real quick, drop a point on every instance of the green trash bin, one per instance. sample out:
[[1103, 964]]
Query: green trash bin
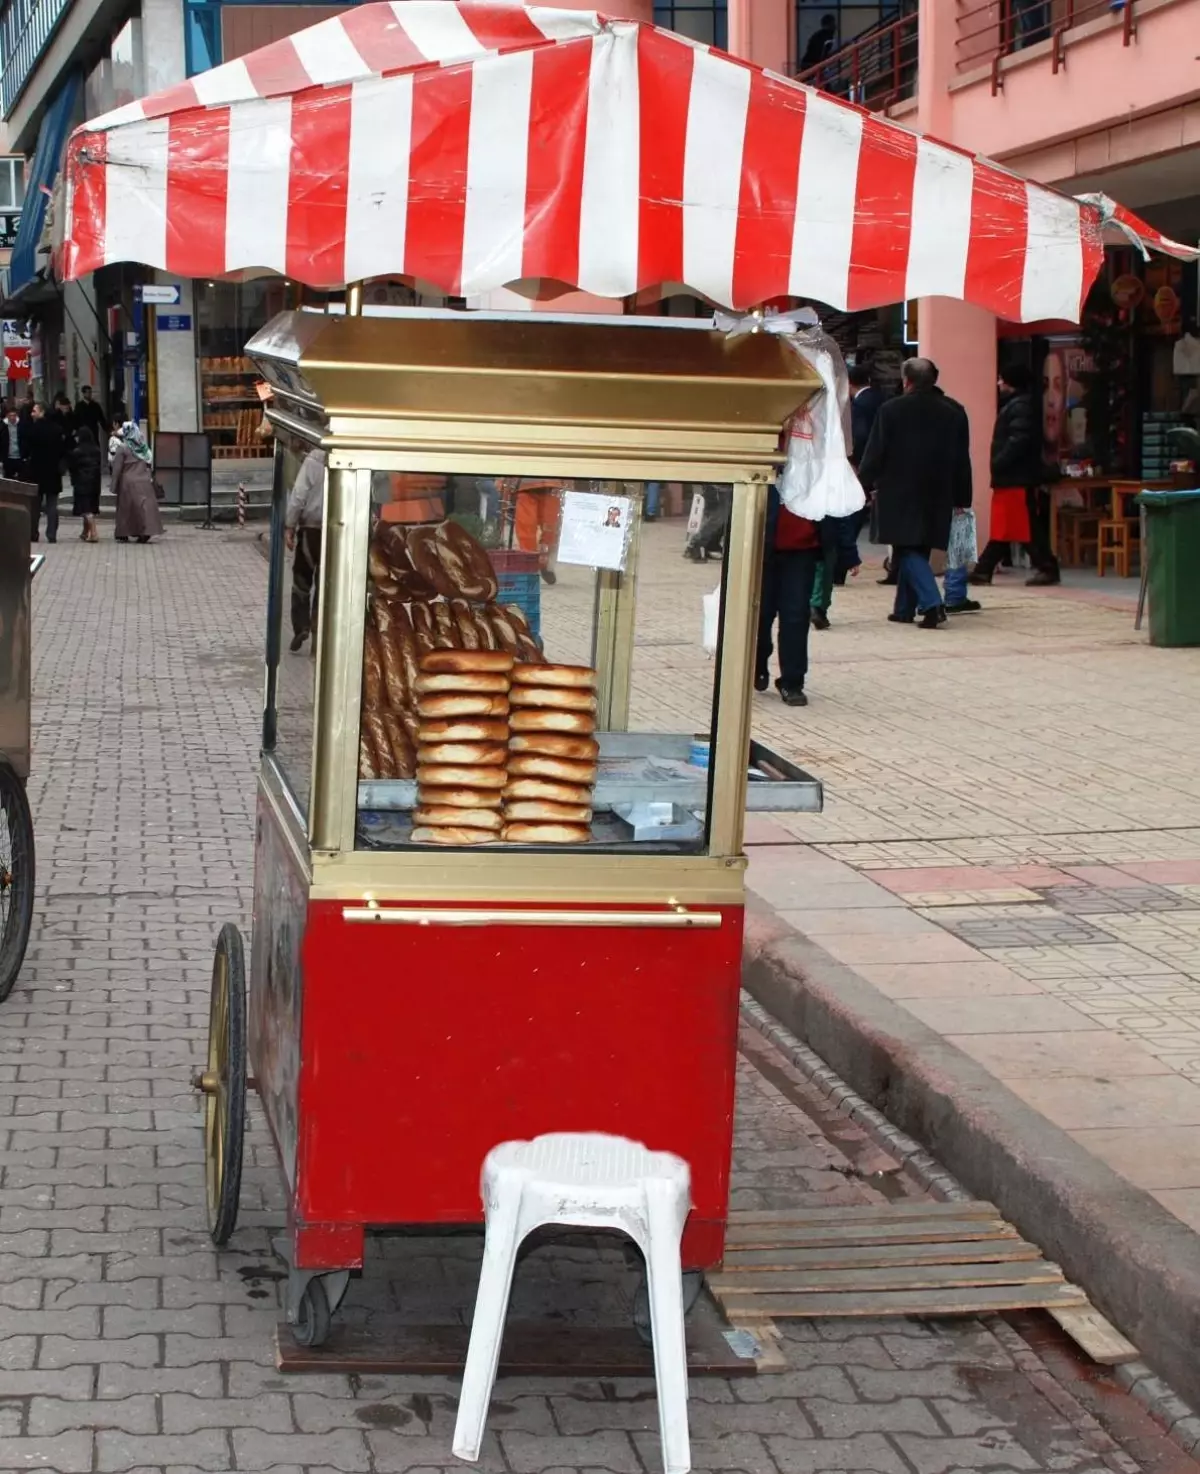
[[1173, 562]]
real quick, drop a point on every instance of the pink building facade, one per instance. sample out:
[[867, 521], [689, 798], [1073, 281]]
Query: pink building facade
[[1087, 95]]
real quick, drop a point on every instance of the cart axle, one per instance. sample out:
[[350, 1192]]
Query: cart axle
[[207, 1083]]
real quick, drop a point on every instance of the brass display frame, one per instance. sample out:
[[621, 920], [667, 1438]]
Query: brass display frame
[[743, 456]]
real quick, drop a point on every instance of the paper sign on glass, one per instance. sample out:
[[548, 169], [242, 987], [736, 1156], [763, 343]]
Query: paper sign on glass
[[595, 529]]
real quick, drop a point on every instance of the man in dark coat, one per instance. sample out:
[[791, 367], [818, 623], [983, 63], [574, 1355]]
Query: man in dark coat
[[90, 412], [44, 460], [865, 402], [918, 463], [1018, 463]]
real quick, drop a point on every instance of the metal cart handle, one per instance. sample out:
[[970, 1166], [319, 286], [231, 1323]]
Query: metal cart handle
[[679, 918]]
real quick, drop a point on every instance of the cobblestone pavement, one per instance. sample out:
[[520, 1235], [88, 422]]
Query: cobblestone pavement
[[127, 1344]]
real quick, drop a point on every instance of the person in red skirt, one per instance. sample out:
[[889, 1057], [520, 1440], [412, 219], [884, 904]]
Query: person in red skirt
[[1018, 471]]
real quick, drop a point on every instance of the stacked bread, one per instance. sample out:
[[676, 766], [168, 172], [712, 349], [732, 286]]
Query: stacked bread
[[431, 589], [552, 755], [462, 721]]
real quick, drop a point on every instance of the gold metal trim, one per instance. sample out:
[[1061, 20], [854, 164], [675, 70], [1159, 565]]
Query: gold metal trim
[[279, 798], [343, 576], [482, 878], [677, 920], [743, 569]]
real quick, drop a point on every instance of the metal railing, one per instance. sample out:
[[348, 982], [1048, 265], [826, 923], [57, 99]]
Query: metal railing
[[990, 31], [26, 27], [876, 70]]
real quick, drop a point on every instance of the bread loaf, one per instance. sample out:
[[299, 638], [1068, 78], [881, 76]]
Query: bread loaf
[[440, 816], [540, 810], [372, 725], [402, 749], [459, 798], [464, 729], [422, 549], [455, 662], [558, 769], [445, 631], [492, 683], [456, 836], [556, 793], [464, 754], [569, 677], [553, 698], [462, 704], [555, 744], [446, 775], [372, 689], [546, 834], [467, 565], [540, 720]]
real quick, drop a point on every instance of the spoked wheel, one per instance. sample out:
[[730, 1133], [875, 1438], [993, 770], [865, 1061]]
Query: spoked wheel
[[16, 876], [224, 1085]]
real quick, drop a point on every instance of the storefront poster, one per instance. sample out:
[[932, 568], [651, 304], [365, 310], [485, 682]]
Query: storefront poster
[[1064, 412], [595, 529]]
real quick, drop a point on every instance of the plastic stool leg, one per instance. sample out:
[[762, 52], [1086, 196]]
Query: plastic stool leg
[[665, 1285], [487, 1324]]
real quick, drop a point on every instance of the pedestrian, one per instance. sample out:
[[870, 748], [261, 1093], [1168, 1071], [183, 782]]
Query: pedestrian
[[791, 551], [918, 463], [14, 444], [302, 533], [85, 463], [822, 43], [133, 487], [1018, 472], [90, 412], [839, 556], [45, 462], [709, 538], [866, 399], [534, 509]]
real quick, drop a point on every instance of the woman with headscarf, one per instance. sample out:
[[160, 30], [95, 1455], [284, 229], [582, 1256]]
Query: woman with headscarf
[[84, 461], [133, 487]]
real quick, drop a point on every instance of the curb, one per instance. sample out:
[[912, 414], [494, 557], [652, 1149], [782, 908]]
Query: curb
[[1136, 1261]]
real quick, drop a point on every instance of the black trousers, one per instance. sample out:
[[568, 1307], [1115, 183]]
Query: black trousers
[[47, 502], [304, 580], [788, 579]]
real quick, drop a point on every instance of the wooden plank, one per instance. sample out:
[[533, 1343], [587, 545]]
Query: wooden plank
[[1095, 1336], [875, 1256], [861, 1212], [771, 1356], [981, 1300], [778, 1236], [899, 1277], [532, 1348]]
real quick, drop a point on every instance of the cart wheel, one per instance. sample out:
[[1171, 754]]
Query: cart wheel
[[313, 1315], [16, 876], [224, 1085], [693, 1283]]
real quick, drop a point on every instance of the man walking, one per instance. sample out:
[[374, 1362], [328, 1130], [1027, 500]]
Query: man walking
[[1017, 476], [14, 444], [918, 463], [45, 461], [90, 412], [791, 552], [302, 533]]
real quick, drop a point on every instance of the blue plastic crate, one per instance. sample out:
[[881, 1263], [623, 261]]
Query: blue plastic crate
[[525, 591]]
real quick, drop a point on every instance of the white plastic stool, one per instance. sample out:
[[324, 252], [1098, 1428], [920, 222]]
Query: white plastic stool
[[586, 1181]]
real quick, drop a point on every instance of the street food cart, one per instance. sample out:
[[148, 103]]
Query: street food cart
[[499, 876], [16, 824], [465, 932]]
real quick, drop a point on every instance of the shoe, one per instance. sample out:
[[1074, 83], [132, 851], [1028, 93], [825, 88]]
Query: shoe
[[298, 642], [820, 620], [36, 538], [792, 695], [888, 582], [52, 539], [761, 680], [143, 539], [549, 577], [900, 618], [964, 606], [695, 555], [979, 579], [1043, 580], [934, 617], [650, 517], [122, 539]]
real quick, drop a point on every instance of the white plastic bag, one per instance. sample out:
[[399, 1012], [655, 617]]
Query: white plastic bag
[[712, 620], [964, 546], [818, 480]]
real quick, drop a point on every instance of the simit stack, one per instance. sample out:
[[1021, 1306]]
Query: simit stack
[[552, 755]]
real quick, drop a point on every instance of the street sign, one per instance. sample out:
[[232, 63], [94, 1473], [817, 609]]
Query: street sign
[[162, 295], [175, 322], [9, 225]]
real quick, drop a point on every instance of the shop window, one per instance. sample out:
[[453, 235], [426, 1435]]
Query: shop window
[[12, 184], [706, 22]]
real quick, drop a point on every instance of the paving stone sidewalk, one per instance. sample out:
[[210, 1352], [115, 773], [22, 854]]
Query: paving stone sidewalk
[[127, 1344]]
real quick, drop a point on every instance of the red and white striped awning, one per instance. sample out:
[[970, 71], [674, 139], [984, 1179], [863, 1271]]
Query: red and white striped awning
[[475, 144]]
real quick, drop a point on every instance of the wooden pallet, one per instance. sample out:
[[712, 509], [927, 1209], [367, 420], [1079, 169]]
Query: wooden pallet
[[931, 1259]]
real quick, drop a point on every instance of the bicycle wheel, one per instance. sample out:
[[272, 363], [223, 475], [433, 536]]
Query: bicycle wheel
[[16, 876]]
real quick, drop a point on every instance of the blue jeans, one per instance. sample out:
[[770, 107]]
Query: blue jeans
[[787, 595], [954, 582], [916, 589], [653, 494]]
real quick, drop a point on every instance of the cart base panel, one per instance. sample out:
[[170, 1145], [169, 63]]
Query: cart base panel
[[531, 1348]]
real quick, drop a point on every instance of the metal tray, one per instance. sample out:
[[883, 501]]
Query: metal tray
[[773, 784]]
